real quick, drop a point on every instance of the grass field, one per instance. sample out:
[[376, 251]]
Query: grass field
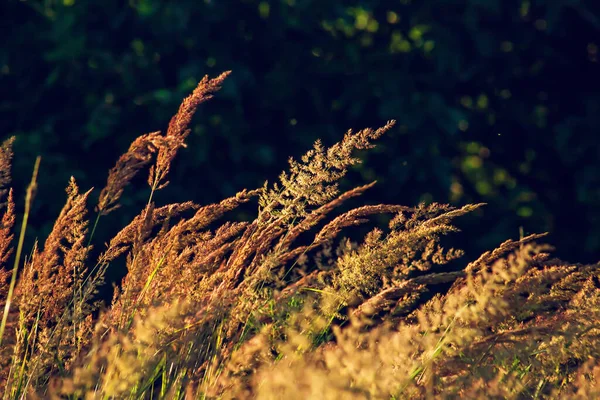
[[283, 306]]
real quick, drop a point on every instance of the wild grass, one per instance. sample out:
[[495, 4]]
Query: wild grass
[[282, 306]]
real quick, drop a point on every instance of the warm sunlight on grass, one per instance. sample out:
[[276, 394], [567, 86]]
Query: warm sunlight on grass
[[282, 306]]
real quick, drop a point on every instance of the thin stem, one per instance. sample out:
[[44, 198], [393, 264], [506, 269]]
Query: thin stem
[[28, 201], [98, 215]]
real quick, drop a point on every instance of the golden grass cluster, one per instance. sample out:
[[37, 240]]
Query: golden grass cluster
[[282, 306]]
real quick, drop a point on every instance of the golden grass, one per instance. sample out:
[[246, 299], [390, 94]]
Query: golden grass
[[280, 306]]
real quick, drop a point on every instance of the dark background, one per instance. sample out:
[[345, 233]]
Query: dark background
[[497, 101]]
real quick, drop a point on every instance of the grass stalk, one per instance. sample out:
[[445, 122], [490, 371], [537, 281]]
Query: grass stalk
[[31, 189]]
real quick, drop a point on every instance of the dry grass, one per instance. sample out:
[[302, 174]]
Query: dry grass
[[281, 306]]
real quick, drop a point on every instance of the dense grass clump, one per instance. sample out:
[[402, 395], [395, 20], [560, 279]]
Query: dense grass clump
[[281, 306]]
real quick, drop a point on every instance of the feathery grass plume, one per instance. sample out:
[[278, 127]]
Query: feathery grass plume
[[6, 238], [395, 297], [314, 180], [178, 129], [8, 217], [385, 262], [139, 155], [490, 256], [54, 320], [6, 155], [143, 148]]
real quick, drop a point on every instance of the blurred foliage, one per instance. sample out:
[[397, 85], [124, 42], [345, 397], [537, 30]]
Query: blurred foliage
[[497, 100]]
